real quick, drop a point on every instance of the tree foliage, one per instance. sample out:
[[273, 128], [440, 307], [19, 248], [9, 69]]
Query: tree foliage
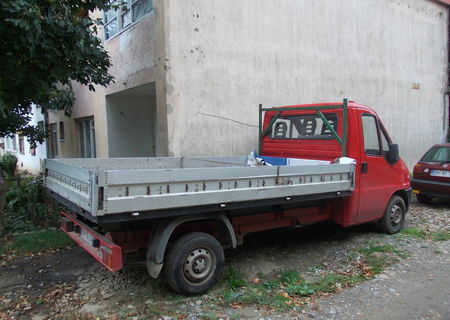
[[44, 46]]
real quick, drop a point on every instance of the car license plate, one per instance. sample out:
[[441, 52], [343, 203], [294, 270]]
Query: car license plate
[[440, 173]]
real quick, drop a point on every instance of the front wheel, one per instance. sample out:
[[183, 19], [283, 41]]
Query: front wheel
[[194, 263], [394, 216]]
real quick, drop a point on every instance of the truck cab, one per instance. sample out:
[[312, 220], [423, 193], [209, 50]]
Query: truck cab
[[332, 130]]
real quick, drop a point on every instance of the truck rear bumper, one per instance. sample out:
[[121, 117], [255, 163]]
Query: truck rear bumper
[[102, 249]]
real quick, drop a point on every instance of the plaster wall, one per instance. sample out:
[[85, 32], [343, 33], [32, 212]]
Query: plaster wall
[[134, 63], [225, 57], [131, 120]]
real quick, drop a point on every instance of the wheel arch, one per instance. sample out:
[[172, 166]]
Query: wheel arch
[[405, 195], [159, 240]]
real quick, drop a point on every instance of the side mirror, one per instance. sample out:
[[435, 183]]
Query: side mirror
[[393, 155]]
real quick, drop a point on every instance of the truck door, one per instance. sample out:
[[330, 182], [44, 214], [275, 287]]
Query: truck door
[[376, 174]]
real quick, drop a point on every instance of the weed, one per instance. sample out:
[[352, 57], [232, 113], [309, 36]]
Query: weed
[[8, 164], [441, 235], [378, 262], [154, 311], [376, 248], [378, 256], [210, 316], [333, 281], [372, 248], [271, 284], [436, 251], [256, 294], [414, 232], [38, 241], [235, 316], [235, 279], [302, 289], [27, 206], [289, 276]]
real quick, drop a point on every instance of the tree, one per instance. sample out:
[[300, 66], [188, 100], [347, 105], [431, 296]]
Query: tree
[[44, 46]]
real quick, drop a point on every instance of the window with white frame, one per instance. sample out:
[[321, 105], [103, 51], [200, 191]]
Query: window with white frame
[[123, 13]]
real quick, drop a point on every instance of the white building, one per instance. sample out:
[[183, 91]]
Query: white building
[[29, 159]]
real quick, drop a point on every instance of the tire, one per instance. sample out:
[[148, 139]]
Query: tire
[[424, 198], [194, 263], [394, 216]]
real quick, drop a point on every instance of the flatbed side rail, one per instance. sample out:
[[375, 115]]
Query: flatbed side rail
[[145, 190], [342, 140], [76, 184], [102, 249]]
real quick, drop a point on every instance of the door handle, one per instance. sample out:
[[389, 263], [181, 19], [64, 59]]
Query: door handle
[[364, 167]]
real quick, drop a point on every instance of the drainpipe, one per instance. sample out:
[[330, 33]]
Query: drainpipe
[[445, 123]]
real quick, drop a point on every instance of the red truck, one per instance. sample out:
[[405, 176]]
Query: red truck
[[316, 162]]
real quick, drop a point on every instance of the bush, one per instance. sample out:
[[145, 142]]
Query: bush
[[8, 163], [26, 206]]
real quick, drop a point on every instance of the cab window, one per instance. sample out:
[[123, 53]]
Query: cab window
[[371, 138], [384, 144]]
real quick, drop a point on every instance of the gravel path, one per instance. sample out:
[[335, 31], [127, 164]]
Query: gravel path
[[70, 285], [418, 288]]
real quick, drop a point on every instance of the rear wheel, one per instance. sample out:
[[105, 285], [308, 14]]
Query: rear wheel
[[195, 263], [424, 198], [394, 216]]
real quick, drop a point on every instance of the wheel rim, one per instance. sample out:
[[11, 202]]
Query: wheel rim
[[199, 266], [396, 215]]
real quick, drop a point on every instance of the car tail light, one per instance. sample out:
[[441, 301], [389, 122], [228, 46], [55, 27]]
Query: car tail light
[[418, 168]]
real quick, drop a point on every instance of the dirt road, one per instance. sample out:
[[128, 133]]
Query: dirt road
[[413, 283]]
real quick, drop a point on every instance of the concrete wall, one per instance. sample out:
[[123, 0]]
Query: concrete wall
[[134, 63], [223, 58], [131, 120], [27, 161]]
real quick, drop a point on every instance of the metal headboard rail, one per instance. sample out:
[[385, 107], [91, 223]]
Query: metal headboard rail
[[341, 140]]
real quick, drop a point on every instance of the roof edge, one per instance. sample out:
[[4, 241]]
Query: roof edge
[[444, 2]]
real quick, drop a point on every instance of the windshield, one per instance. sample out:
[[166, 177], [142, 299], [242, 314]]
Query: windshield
[[437, 154]]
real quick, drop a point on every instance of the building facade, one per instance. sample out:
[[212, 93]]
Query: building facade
[[189, 75], [29, 159]]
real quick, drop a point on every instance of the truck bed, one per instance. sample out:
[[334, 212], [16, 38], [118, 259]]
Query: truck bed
[[144, 186]]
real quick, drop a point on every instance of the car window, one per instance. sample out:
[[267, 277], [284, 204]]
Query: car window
[[384, 144], [437, 154], [308, 126]]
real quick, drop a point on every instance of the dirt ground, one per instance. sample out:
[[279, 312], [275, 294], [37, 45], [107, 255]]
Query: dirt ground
[[69, 284]]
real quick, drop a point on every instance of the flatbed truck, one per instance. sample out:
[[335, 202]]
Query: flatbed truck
[[182, 212]]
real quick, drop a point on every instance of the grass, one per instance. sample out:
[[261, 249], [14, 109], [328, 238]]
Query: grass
[[37, 241], [282, 291], [378, 256], [210, 316], [234, 279], [286, 289], [333, 281], [414, 232], [443, 235]]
